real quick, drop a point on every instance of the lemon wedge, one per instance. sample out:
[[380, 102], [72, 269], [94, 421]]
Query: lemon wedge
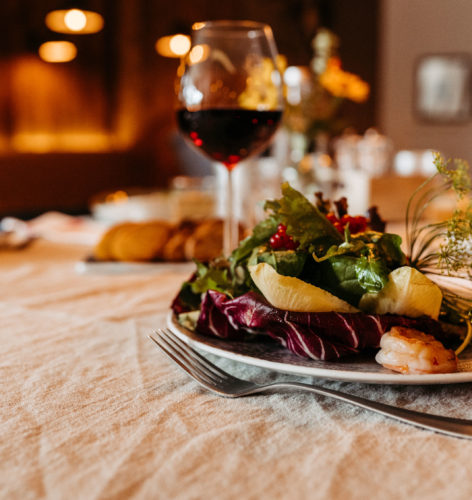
[[407, 292], [293, 294]]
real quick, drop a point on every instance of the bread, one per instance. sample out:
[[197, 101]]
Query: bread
[[103, 250], [206, 242], [159, 240], [174, 249], [134, 242]]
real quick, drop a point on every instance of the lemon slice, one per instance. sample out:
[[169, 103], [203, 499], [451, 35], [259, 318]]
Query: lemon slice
[[407, 292], [293, 294]]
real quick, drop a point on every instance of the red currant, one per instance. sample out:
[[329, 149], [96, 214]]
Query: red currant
[[290, 244], [357, 224], [331, 217], [361, 223], [276, 241], [281, 239]]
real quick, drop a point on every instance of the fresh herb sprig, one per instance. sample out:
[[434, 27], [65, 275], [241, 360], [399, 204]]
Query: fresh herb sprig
[[444, 248]]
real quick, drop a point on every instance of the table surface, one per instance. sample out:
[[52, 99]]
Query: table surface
[[91, 409]]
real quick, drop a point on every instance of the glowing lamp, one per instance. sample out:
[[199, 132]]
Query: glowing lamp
[[75, 21], [173, 46], [199, 53], [57, 52]]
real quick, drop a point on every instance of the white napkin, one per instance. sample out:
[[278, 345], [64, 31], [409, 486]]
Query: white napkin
[[57, 227]]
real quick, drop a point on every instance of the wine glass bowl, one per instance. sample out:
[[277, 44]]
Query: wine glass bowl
[[229, 97]]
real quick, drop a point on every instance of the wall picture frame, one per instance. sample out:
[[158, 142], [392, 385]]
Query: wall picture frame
[[442, 88]]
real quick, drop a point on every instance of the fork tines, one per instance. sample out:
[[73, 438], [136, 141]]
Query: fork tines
[[191, 361]]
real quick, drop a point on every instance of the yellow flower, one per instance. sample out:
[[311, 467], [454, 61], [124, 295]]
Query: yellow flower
[[343, 84], [358, 90]]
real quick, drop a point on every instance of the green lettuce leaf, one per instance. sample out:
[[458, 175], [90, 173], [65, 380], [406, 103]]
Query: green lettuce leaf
[[211, 278], [349, 277], [348, 247], [383, 246], [287, 263], [305, 223], [372, 274], [387, 246], [260, 234], [340, 278]]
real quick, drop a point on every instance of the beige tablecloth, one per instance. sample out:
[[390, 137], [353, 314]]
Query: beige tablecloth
[[91, 409]]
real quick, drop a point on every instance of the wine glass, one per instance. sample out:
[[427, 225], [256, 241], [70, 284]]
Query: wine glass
[[229, 98]]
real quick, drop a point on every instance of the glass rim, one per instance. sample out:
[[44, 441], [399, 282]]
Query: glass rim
[[232, 26]]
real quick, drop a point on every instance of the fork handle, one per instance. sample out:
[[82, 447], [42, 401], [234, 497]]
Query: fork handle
[[446, 425]]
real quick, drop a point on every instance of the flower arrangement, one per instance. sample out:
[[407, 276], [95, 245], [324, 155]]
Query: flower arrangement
[[342, 84], [315, 94]]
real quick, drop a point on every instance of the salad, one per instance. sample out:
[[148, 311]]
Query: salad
[[326, 284]]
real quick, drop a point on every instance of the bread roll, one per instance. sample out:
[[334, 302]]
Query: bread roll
[[159, 240], [206, 242], [174, 249], [103, 250]]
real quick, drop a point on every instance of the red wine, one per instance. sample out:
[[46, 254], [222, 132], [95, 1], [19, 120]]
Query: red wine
[[229, 135]]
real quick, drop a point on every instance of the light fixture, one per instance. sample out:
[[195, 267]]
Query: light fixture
[[173, 45], [198, 53], [74, 21], [57, 51]]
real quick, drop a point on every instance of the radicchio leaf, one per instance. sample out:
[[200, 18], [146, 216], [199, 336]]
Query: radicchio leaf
[[321, 336]]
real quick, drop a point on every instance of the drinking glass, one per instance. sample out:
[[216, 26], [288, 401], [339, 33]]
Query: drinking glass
[[229, 98]]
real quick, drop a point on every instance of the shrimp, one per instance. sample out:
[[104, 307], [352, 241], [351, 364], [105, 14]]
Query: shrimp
[[406, 350]]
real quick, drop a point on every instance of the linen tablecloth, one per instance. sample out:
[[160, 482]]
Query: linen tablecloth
[[90, 409]]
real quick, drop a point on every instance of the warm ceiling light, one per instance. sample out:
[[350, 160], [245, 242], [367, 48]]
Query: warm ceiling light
[[57, 52], [173, 46], [198, 53], [77, 21], [180, 44]]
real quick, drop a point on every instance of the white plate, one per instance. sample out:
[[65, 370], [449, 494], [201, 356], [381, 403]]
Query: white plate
[[354, 369]]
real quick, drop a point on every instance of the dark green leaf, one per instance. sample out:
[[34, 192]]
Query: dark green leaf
[[389, 249], [349, 277], [342, 278], [287, 263], [372, 274], [186, 299]]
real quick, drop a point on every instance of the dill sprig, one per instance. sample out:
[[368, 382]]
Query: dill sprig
[[445, 247], [455, 254]]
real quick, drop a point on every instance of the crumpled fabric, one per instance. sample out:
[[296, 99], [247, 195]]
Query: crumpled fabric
[[90, 409]]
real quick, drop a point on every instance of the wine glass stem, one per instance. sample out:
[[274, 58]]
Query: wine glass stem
[[230, 227]]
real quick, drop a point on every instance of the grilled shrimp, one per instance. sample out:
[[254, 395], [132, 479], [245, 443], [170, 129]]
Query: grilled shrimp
[[406, 350]]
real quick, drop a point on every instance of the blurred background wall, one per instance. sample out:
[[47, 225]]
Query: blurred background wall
[[105, 120], [409, 29]]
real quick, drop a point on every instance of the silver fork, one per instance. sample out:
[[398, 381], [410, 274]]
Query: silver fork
[[222, 383]]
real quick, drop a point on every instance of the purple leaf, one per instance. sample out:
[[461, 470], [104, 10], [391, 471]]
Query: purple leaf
[[323, 336]]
